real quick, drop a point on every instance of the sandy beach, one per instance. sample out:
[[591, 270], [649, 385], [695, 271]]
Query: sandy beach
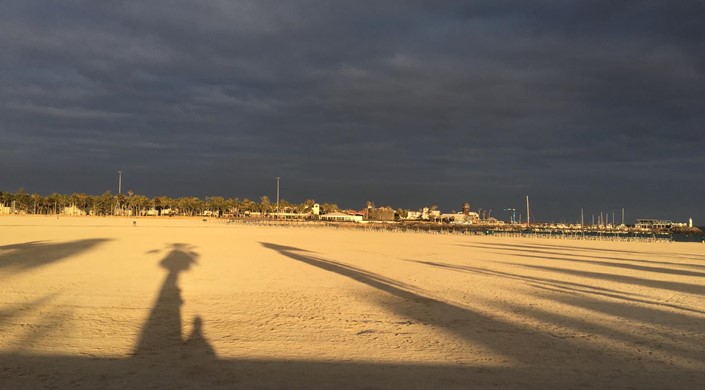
[[91, 302]]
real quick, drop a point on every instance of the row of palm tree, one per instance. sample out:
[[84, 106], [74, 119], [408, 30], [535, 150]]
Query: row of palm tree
[[131, 203]]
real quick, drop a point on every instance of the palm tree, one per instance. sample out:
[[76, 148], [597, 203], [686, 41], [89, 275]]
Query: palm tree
[[162, 202], [103, 204], [36, 200], [22, 200], [216, 204], [80, 201], [190, 205], [120, 201], [265, 204], [248, 205], [329, 208], [285, 206], [233, 206], [141, 203], [6, 199], [53, 202]]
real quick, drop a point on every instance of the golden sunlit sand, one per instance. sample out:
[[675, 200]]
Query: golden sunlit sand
[[92, 302]]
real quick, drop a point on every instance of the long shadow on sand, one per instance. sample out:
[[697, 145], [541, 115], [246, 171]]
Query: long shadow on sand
[[568, 290], [540, 250], [610, 251], [624, 264], [33, 254], [687, 288], [526, 347], [164, 359], [607, 301]]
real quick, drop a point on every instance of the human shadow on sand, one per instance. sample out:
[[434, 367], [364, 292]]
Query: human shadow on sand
[[162, 330]]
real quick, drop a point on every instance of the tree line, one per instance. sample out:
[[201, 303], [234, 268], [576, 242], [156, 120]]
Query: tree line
[[131, 203]]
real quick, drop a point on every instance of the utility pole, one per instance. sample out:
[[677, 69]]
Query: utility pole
[[622, 215], [119, 182], [278, 195], [528, 218], [582, 224]]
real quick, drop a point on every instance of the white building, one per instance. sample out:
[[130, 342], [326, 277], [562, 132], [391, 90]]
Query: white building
[[653, 224], [341, 217], [72, 210], [413, 215], [460, 218]]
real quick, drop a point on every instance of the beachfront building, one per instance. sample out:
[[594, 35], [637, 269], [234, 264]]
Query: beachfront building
[[460, 218], [428, 214], [293, 216], [8, 208], [341, 217], [72, 210], [413, 215], [653, 224]]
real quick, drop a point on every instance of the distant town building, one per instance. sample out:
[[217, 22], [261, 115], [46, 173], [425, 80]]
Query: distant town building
[[460, 218], [413, 215], [5, 209], [341, 217], [659, 224], [72, 210]]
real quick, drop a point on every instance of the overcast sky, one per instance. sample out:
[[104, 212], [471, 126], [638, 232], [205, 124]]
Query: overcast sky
[[578, 104]]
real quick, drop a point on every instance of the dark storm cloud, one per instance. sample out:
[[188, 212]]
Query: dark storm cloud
[[582, 104]]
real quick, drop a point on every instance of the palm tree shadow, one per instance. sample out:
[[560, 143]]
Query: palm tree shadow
[[478, 328], [28, 255], [524, 347]]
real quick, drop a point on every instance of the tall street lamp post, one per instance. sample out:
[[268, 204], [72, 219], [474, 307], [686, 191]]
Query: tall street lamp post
[[277, 196]]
